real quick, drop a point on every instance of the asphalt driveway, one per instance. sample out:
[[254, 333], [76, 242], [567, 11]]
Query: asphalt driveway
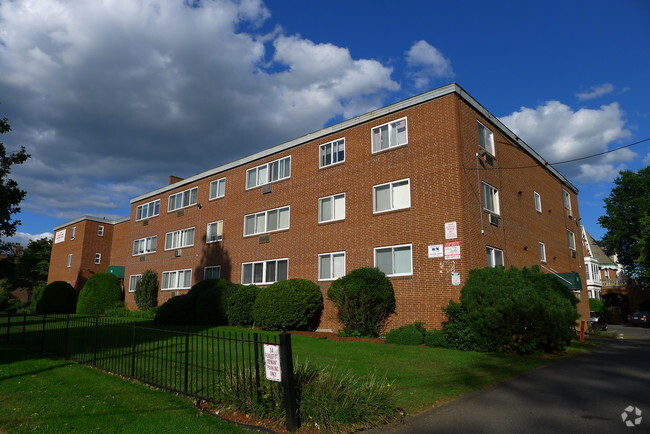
[[587, 394]]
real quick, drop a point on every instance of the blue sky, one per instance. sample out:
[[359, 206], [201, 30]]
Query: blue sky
[[112, 96]]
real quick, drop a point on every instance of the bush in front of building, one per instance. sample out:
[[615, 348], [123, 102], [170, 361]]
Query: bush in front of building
[[177, 310], [295, 304], [596, 305], [365, 299], [457, 332], [521, 310], [208, 298], [239, 305], [435, 338], [57, 297], [146, 291], [101, 291], [409, 334]]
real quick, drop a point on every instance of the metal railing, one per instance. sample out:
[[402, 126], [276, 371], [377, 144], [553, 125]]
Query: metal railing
[[207, 365]]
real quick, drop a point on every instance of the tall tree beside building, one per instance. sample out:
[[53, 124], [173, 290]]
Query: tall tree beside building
[[31, 265], [10, 194], [628, 223]]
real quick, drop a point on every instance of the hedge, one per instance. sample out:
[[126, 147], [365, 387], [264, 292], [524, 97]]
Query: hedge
[[102, 291], [295, 304]]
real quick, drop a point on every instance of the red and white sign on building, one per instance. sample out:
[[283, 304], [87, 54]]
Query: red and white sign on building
[[452, 250], [272, 362]]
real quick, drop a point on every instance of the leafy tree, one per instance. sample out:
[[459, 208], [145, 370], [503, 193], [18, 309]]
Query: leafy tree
[[146, 291], [628, 223], [10, 194], [31, 265]]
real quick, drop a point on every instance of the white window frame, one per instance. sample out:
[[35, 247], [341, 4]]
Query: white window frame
[[391, 126], [265, 215], [98, 258], [217, 188], [493, 192], [538, 201], [332, 275], [392, 196], [73, 233], [491, 251], [489, 146], [265, 265], [152, 210], [212, 267], [176, 279], [333, 198], [132, 284], [571, 239], [192, 195], [100, 231], [148, 243], [566, 199], [542, 252], [219, 237], [284, 162], [392, 248], [180, 237], [322, 153], [69, 261]]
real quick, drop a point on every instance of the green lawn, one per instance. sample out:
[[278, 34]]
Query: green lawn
[[54, 395]]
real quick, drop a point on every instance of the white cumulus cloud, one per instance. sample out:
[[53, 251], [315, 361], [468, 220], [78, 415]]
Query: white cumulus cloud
[[558, 133], [426, 62], [24, 238]]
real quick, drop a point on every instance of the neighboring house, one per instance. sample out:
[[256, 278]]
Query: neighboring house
[[415, 188]]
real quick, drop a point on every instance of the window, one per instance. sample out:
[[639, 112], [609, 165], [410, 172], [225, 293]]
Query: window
[[391, 196], [145, 245], [147, 210], [490, 198], [332, 153], [265, 272], [542, 252], [133, 281], [494, 257], [270, 172], [389, 135], [218, 188], [69, 263], [394, 260], [331, 208], [98, 258], [183, 199], [73, 233], [212, 272], [331, 266], [100, 231], [215, 232], [572, 239], [567, 199], [178, 279], [266, 221], [179, 239], [538, 202], [485, 138]]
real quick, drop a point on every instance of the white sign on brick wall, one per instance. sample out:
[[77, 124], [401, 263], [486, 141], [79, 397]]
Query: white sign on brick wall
[[451, 231], [59, 237], [272, 362]]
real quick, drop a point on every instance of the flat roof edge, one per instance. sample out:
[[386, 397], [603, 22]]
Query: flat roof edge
[[92, 219]]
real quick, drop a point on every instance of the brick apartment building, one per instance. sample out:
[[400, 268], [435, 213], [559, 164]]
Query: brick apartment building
[[425, 189]]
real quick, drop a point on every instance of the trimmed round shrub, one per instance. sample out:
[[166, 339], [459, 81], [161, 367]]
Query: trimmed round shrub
[[176, 311], [435, 338], [102, 291], [457, 331], [239, 304], [295, 304], [209, 298], [410, 334], [365, 300], [57, 297], [146, 291]]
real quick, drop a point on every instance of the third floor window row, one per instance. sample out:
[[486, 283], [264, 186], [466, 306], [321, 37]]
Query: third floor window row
[[183, 199], [269, 172]]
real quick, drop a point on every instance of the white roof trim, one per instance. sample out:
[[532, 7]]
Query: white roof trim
[[92, 219]]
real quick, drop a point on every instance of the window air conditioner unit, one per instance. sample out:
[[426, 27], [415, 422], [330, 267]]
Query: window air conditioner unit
[[143, 258], [494, 220], [569, 213], [265, 239], [266, 189], [145, 222], [180, 213], [177, 252], [573, 253], [174, 294], [489, 159]]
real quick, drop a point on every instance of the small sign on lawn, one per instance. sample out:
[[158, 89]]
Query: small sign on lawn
[[272, 362]]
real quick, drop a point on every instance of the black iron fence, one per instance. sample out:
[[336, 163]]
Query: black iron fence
[[206, 364]]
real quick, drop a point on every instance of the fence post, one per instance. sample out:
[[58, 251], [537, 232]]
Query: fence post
[[43, 334], [187, 357], [96, 339], [133, 341], [256, 344], [288, 383]]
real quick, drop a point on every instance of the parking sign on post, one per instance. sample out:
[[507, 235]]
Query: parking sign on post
[[272, 362]]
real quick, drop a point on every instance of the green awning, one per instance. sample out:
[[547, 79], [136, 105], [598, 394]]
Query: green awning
[[117, 270], [570, 280]]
